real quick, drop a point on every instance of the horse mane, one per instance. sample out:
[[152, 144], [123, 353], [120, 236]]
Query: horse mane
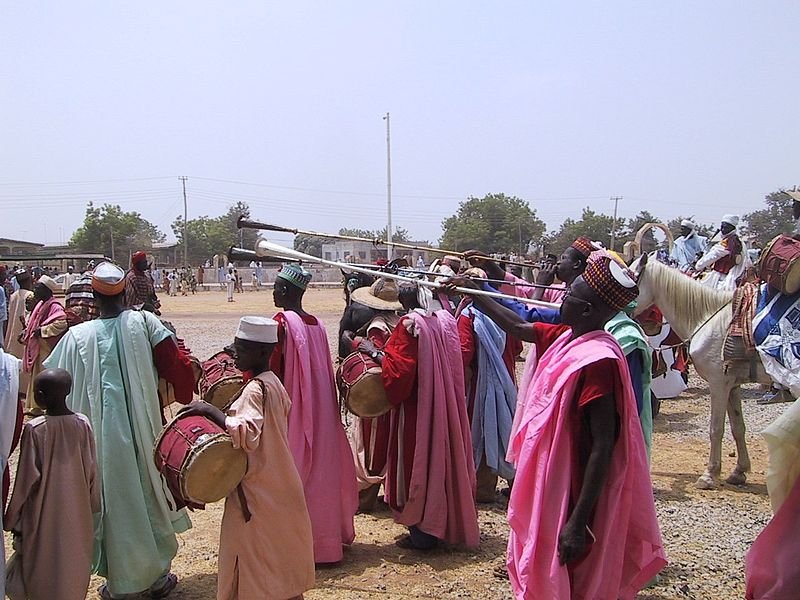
[[693, 301]]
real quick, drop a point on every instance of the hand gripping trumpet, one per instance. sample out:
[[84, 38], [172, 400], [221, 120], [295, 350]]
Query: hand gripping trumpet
[[265, 248]]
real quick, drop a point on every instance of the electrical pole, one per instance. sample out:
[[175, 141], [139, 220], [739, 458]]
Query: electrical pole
[[616, 200], [183, 179], [389, 249]]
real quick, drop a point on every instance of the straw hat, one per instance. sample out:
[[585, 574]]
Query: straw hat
[[381, 295]]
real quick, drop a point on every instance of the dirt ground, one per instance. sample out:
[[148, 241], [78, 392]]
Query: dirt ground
[[706, 532]]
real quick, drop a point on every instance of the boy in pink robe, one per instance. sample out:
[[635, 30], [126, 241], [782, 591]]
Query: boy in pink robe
[[56, 476], [582, 513], [266, 550], [317, 438]]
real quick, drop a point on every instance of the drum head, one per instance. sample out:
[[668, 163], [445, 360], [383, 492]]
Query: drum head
[[367, 397], [213, 470], [221, 393]]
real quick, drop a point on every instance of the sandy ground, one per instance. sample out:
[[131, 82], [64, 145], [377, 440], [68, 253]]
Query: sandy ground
[[706, 532]]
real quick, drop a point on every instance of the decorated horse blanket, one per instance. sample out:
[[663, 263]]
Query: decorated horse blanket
[[776, 331]]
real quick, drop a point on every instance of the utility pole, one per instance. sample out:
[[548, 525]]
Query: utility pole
[[111, 231], [183, 179], [389, 249], [616, 200]]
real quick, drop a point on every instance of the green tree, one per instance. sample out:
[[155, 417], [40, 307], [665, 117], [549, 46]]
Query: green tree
[[309, 244], [207, 237], [110, 231], [494, 223], [775, 219], [595, 226], [400, 234]]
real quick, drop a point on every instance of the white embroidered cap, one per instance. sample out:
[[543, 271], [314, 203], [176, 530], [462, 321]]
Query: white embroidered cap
[[258, 329]]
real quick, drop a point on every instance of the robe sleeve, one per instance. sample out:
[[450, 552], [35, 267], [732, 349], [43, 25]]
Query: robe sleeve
[[54, 329], [26, 481], [531, 314], [90, 464], [245, 417], [399, 372], [276, 360], [635, 366], [466, 335], [717, 251], [175, 367]]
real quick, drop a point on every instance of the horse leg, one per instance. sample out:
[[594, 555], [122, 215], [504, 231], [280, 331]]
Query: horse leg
[[739, 475], [719, 400]]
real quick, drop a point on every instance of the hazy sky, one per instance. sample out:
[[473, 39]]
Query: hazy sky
[[679, 107]]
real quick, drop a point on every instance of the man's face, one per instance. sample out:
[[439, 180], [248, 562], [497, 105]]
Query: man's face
[[279, 293], [41, 291], [569, 266], [577, 304], [141, 264], [685, 230], [726, 228]]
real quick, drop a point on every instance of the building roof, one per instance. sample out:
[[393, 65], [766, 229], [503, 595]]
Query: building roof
[[3, 240]]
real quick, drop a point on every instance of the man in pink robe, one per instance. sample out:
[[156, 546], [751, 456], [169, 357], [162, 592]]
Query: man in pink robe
[[430, 479], [582, 513], [317, 438], [48, 323]]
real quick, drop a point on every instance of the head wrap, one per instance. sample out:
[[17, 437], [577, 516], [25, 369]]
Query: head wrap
[[108, 279], [296, 275], [258, 329], [731, 220], [49, 283], [687, 223], [583, 246], [613, 283], [137, 256]]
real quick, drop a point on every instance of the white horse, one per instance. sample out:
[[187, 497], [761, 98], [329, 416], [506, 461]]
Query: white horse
[[701, 316]]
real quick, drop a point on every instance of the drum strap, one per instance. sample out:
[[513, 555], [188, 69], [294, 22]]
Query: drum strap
[[243, 501]]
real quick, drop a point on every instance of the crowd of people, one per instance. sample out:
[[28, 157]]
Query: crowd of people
[[571, 439]]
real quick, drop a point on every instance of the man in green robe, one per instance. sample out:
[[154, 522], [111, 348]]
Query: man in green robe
[[115, 362]]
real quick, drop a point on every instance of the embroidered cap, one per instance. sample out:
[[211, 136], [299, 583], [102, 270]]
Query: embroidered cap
[[108, 279], [584, 246], [258, 329], [48, 282], [611, 282], [731, 220], [137, 256], [296, 275]]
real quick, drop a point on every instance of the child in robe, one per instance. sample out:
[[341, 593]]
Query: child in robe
[[266, 549], [55, 494]]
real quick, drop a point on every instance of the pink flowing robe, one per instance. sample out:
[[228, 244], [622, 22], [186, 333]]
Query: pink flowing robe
[[271, 556], [439, 497], [317, 438], [628, 551]]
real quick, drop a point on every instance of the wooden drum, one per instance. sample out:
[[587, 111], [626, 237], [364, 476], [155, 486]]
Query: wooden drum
[[779, 265], [359, 379]]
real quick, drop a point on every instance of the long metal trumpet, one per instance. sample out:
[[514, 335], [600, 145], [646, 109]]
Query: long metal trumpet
[[240, 254], [243, 223], [266, 248]]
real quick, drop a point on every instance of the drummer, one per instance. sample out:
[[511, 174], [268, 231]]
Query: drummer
[[263, 552], [369, 438]]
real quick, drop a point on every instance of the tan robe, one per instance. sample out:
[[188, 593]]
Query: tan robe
[[55, 494], [272, 555]]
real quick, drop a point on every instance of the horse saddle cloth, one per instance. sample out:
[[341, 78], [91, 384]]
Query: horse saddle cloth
[[739, 343]]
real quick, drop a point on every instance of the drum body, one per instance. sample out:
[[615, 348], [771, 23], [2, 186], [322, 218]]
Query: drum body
[[359, 379], [221, 380], [198, 461], [779, 265]]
